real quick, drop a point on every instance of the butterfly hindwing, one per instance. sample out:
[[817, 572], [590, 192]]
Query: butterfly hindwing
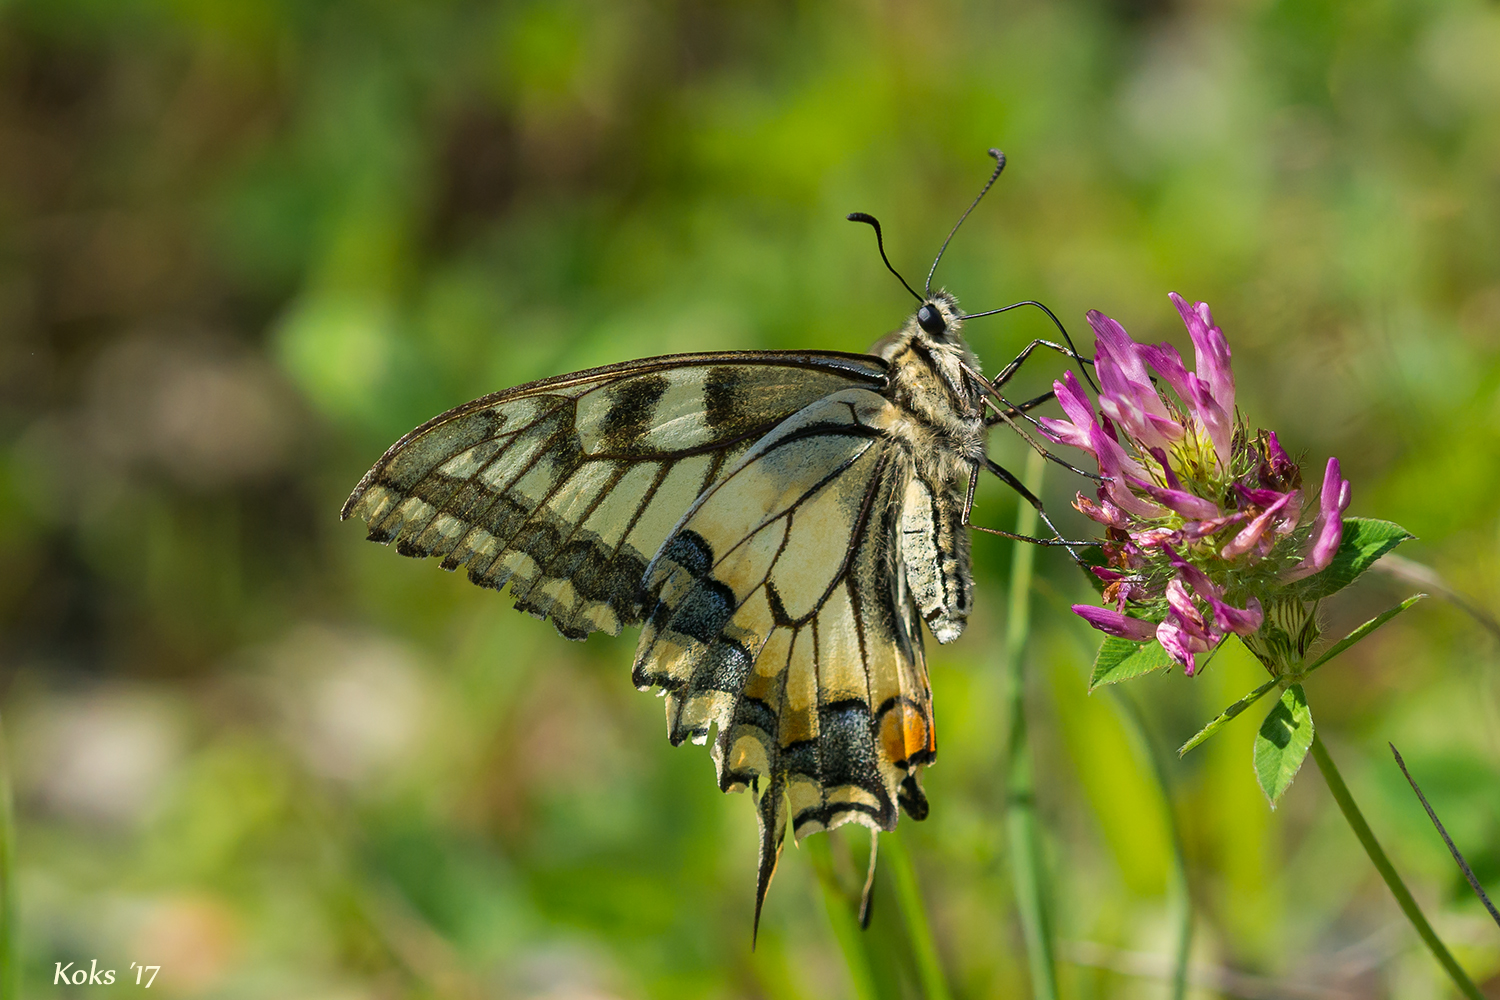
[[783, 619], [565, 488]]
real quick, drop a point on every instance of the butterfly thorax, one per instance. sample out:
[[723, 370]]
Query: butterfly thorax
[[928, 383]]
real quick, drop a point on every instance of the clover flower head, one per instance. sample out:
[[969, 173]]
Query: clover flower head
[[1203, 521]]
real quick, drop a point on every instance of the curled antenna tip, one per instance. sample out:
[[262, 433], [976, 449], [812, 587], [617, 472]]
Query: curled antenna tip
[[874, 223]]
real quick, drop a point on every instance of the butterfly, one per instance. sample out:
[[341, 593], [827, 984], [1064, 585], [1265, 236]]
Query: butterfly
[[781, 525]]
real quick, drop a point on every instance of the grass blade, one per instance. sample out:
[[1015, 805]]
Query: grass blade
[[1027, 868], [10, 972], [913, 913], [1182, 946], [1452, 848], [1356, 821]]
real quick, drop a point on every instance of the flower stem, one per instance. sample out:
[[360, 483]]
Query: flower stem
[[1020, 814], [918, 930], [1383, 865]]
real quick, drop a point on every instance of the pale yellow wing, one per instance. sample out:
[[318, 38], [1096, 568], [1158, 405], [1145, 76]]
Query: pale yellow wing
[[782, 617], [565, 488]]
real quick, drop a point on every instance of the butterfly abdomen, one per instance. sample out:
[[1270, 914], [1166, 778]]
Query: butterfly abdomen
[[935, 553]]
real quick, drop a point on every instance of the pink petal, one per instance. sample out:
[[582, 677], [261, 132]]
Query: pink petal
[[1232, 619], [1169, 429], [1202, 529], [1111, 341], [1252, 532], [1168, 364], [1227, 618], [1073, 400], [1259, 498], [1181, 644], [1328, 527], [1218, 422], [1115, 464], [1197, 394], [1077, 431], [1181, 603], [1127, 394], [1106, 512], [1187, 504], [1153, 538], [1064, 432], [1280, 465], [1114, 623], [1211, 351]]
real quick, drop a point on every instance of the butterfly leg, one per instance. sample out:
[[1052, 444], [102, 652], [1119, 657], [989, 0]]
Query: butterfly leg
[[1016, 409], [1010, 370], [991, 394], [1029, 497], [1005, 418], [1005, 476]]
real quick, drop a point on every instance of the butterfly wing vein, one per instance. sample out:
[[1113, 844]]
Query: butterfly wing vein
[[755, 513], [565, 488], [783, 619]]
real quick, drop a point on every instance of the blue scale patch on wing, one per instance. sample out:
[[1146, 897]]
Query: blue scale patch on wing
[[565, 488], [781, 617]]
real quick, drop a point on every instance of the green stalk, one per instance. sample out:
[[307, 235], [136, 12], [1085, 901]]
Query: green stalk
[[1026, 863], [1383, 865], [846, 930], [1179, 889], [10, 972], [918, 930]]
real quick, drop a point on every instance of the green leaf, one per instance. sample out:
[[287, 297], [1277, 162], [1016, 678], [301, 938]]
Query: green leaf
[[1365, 540], [1121, 659], [1361, 632], [1283, 742], [1223, 717]]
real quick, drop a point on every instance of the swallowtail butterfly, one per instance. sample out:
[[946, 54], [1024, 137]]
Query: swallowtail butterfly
[[780, 524]]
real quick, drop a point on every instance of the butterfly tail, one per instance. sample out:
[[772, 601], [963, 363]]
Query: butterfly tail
[[772, 810], [867, 898]]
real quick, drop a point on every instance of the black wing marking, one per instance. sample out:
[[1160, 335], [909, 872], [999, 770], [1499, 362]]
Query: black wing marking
[[566, 487], [783, 618]]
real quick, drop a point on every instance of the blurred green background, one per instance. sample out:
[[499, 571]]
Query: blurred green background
[[244, 246]]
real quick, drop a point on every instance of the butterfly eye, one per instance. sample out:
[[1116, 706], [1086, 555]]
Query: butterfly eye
[[930, 319]]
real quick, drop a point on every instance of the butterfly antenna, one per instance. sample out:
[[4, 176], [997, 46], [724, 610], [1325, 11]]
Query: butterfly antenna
[[870, 220], [999, 166]]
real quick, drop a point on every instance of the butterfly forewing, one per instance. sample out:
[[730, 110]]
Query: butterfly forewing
[[565, 488]]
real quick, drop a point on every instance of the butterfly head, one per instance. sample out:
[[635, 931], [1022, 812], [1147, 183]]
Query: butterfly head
[[939, 318]]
